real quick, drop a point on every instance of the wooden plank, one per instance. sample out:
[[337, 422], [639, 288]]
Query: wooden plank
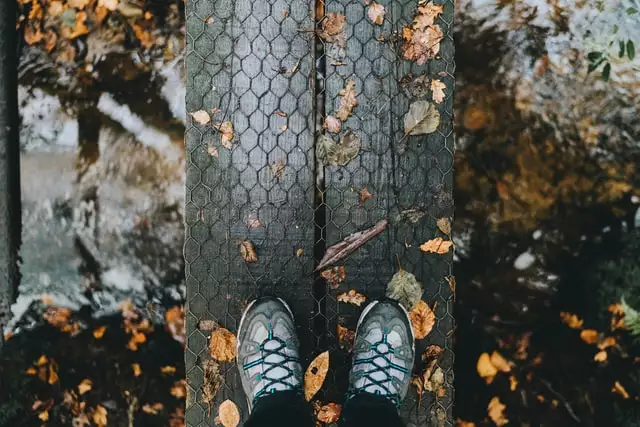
[[237, 52]]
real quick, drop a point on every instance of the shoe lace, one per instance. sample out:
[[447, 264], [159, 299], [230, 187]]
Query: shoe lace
[[377, 366], [273, 384]]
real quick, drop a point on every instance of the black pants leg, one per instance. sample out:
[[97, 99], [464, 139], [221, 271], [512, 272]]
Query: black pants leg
[[281, 409], [369, 410]]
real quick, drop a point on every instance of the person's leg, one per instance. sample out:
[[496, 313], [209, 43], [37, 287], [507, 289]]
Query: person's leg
[[382, 361], [269, 366]]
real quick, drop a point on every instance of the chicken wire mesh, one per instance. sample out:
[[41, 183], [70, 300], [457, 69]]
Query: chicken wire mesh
[[262, 67]]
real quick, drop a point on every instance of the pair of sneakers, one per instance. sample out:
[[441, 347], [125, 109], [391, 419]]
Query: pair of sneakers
[[269, 361]]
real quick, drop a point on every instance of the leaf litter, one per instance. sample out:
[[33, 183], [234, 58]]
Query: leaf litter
[[341, 153], [315, 375], [350, 244], [422, 38], [437, 89]]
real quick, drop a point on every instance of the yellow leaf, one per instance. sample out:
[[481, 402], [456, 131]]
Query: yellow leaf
[[44, 416], [601, 356], [590, 336], [179, 389], [137, 371], [111, 5], [228, 414], [78, 4], [513, 383], [53, 375], [84, 386], [437, 245], [168, 369], [500, 362], [201, 117], [315, 375], [495, 410], [248, 252], [376, 13], [422, 319], [99, 332], [352, 297], [606, 343], [437, 88], [485, 368], [99, 416], [329, 413], [222, 345], [571, 320], [618, 388]]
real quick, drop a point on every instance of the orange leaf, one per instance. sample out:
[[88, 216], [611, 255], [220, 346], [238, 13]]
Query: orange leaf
[[590, 336], [606, 343], [601, 356], [513, 383], [44, 416], [334, 276], [315, 375], [329, 413], [84, 386], [53, 375], [352, 297], [152, 409], [228, 414], [98, 332], [571, 320], [437, 245], [422, 319], [31, 371], [495, 410], [299, 252], [365, 195], [222, 345], [618, 388], [485, 368], [136, 338], [179, 389], [99, 416], [500, 362], [168, 370]]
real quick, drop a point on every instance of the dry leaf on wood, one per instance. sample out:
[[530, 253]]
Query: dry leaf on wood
[[347, 149], [348, 101], [211, 382], [422, 320], [277, 168], [346, 338], [606, 343], [226, 131], [332, 29], [444, 225], [437, 89], [179, 389], [404, 288], [329, 413], [228, 414], [152, 409], [423, 118], [365, 195], [346, 247], [248, 252], [451, 280], [315, 375], [352, 297], [376, 13], [222, 345], [334, 276], [431, 353], [437, 246], [201, 117], [427, 14], [332, 124], [422, 38], [495, 410]]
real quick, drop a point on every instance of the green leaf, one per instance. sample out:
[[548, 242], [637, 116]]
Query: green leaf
[[606, 72], [622, 49], [615, 29], [594, 56], [594, 65], [632, 11], [631, 50]]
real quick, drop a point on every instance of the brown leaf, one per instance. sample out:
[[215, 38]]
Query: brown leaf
[[98, 332], [352, 297], [315, 375], [248, 252], [421, 41], [462, 423], [84, 386], [346, 338], [111, 5], [431, 353], [376, 13], [55, 8], [277, 168], [179, 389], [590, 336], [329, 413], [77, 4], [299, 252], [201, 117], [495, 410], [228, 414], [422, 319], [152, 409], [444, 225], [606, 343], [348, 101], [500, 362], [365, 195], [437, 88], [137, 371], [332, 124], [619, 388], [427, 15], [421, 119], [341, 153], [451, 280], [334, 276], [350, 244], [332, 25], [226, 129], [437, 245], [32, 34], [222, 345], [211, 382], [99, 416], [571, 320], [485, 368], [253, 221]]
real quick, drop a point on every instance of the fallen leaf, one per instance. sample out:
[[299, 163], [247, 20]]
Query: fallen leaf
[[55, 8], [606, 343], [228, 414], [77, 4], [179, 389], [462, 423], [211, 382], [485, 368], [248, 252], [423, 118], [571, 320], [84, 386], [136, 339], [346, 338], [226, 129], [332, 26], [53, 374], [209, 20], [404, 288], [285, 13], [137, 371], [422, 38], [277, 168], [513, 383], [365, 195], [168, 370], [299, 252], [444, 225], [201, 117], [495, 410], [111, 5], [437, 88], [348, 101], [315, 375], [437, 245], [413, 215], [99, 416], [334, 276], [212, 150], [31, 371], [44, 416], [350, 244], [601, 356], [32, 34], [98, 332], [422, 319], [332, 124], [451, 280], [253, 221], [222, 345], [474, 118], [352, 297], [619, 388], [207, 325], [427, 14], [431, 353], [590, 336], [283, 128], [341, 153], [500, 362], [376, 13], [152, 409], [329, 413], [82, 420]]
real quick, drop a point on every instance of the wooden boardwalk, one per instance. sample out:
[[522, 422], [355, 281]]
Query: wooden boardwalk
[[259, 66]]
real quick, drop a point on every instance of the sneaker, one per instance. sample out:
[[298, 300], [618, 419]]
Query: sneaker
[[268, 357], [383, 352]]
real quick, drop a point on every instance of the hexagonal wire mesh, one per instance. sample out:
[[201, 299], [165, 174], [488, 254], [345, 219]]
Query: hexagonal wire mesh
[[261, 65]]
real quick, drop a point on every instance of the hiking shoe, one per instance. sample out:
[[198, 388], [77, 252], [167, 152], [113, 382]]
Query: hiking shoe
[[383, 352], [268, 349]]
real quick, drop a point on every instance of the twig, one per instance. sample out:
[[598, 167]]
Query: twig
[[566, 404]]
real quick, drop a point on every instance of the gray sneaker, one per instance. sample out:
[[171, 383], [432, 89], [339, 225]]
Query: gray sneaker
[[268, 349], [383, 352]]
